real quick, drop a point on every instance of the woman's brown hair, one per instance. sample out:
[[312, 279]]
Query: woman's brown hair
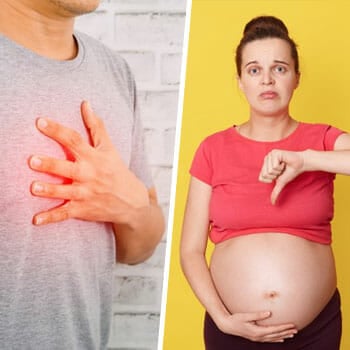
[[264, 27]]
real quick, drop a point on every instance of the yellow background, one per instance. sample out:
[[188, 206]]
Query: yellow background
[[213, 101]]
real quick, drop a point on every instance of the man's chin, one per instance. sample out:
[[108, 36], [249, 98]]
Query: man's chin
[[76, 7]]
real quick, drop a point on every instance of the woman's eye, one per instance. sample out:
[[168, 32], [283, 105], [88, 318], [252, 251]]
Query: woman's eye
[[280, 69], [253, 71]]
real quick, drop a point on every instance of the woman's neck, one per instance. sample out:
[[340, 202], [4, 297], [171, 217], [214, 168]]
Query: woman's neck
[[268, 128]]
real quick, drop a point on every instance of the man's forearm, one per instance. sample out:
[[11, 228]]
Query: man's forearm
[[139, 234]]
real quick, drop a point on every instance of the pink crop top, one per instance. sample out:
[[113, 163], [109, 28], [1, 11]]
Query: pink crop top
[[240, 204]]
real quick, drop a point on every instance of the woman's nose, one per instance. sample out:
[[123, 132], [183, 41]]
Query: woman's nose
[[267, 79]]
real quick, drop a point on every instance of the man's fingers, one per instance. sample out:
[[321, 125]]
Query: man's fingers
[[67, 137], [58, 214], [95, 126], [66, 192], [58, 167], [96, 173]]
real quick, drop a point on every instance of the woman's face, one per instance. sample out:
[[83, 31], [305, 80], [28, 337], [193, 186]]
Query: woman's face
[[268, 78]]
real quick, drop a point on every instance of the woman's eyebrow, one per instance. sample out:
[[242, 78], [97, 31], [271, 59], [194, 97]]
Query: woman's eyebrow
[[251, 62], [275, 61], [283, 62]]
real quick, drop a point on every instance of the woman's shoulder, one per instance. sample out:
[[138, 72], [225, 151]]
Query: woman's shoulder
[[314, 126], [319, 129], [317, 126], [218, 136], [322, 134]]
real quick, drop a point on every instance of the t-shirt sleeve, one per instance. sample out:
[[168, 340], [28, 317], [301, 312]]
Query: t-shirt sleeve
[[330, 137], [139, 160], [201, 167]]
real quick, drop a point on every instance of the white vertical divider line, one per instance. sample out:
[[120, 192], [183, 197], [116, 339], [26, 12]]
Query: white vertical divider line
[[174, 175]]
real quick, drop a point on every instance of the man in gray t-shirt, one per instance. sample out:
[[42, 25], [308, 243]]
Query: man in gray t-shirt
[[76, 189]]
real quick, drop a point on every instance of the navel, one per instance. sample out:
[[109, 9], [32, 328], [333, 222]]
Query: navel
[[271, 294]]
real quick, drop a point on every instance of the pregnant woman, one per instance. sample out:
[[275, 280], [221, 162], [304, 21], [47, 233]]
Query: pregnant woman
[[262, 191]]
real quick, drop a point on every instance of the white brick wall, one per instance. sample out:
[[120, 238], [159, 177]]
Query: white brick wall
[[149, 35]]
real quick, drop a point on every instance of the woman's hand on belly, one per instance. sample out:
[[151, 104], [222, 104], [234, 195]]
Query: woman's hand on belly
[[287, 275], [245, 325]]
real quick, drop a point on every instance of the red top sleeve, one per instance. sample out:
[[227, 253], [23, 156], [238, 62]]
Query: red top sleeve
[[201, 167], [330, 137]]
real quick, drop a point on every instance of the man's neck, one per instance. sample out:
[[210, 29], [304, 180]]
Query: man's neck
[[49, 35]]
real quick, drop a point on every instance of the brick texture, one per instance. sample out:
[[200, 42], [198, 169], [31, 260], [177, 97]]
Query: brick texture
[[149, 35]]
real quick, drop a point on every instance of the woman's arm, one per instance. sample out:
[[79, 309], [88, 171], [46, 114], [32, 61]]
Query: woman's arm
[[284, 166], [192, 250], [337, 161], [193, 246]]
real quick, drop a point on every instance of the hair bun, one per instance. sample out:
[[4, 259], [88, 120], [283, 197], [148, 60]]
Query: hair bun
[[265, 24], [265, 27]]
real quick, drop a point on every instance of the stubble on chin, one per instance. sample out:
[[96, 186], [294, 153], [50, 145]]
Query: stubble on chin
[[76, 7]]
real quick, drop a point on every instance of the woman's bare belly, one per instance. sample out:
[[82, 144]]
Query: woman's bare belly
[[292, 277]]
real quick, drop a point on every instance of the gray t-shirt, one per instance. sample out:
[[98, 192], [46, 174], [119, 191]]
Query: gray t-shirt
[[56, 280]]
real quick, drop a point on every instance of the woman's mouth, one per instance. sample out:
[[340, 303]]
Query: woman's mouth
[[268, 95]]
